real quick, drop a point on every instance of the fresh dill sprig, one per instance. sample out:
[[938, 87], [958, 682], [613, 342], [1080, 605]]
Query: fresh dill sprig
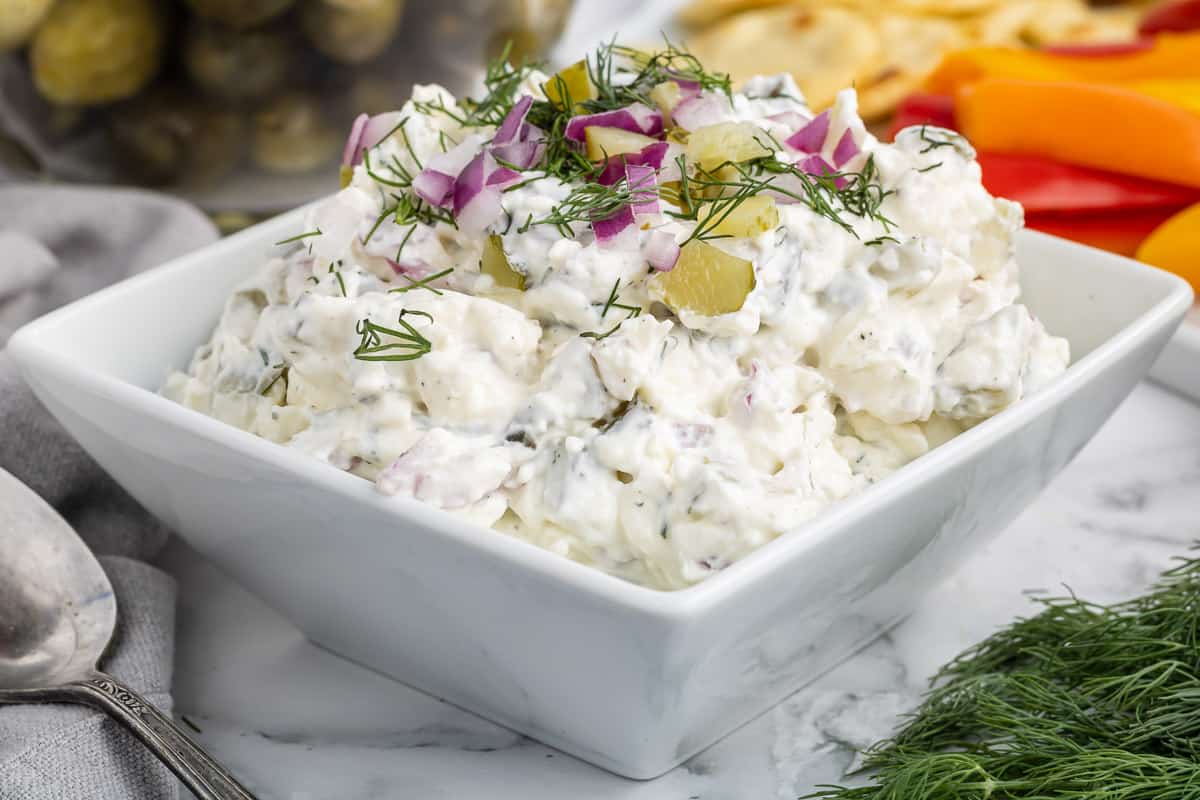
[[502, 80], [423, 283], [623, 75], [1081, 700], [298, 237], [589, 202], [407, 345]]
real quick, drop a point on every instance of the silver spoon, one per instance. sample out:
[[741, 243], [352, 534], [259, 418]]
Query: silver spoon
[[57, 615]]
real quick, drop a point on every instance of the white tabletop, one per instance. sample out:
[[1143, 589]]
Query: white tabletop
[[298, 723]]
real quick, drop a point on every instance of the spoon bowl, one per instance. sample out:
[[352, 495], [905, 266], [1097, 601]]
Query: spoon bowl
[[57, 617]]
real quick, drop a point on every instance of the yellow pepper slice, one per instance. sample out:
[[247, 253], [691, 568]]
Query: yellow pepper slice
[[1175, 246]]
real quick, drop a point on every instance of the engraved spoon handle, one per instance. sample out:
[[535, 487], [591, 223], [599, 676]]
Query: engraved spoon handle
[[204, 776]]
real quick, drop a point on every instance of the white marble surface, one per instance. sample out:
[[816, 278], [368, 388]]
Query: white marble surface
[[298, 723]]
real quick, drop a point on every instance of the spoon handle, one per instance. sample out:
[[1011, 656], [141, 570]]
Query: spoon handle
[[204, 776]]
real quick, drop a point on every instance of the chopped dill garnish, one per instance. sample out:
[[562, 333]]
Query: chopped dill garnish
[[298, 237], [409, 344], [338, 275], [879, 240], [610, 304], [423, 283], [1080, 701], [948, 140], [931, 167]]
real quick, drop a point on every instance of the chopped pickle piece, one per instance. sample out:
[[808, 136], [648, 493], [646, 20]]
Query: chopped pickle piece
[[706, 280], [666, 96], [495, 263], [752, 216], [714, 145], [573, 81], [605, 142], [677, 135]]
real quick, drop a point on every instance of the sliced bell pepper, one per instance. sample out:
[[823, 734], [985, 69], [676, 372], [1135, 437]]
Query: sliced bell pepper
[[1045, 186], [1168, 56], [1182, 92], [923, 109], [1121, 232], [1175, 246], [1093, 125], [1180, 15]]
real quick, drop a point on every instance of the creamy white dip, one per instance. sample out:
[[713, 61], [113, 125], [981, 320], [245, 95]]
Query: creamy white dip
[[671, 448]]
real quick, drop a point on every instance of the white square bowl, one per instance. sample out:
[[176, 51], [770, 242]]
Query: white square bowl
[[631, 679]]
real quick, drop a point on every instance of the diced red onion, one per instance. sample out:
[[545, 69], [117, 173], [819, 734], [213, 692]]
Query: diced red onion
[[434, 187], [700, 110], [416, 268], [793, 120], [816, 165], [661, 251], [635, 118], [643, 187], [510, 128], [503, 176], [378, 127], [611, 227], [522, 155], [847, 148], [365, 133], [614, 169], [476, 204], [686, 87], [811, 138], [456, 158], [352, 151]]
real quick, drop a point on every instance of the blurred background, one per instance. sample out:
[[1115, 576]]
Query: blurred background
[[1086, 112]]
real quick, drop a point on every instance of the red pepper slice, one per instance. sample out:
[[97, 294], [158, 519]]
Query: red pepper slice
[[1119, 232], [1045, 186], [1178, 16], [923, 109]]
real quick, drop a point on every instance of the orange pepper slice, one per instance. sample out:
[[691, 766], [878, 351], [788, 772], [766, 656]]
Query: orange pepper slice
[[1175, 246], [1171, 56], [1096, 125]]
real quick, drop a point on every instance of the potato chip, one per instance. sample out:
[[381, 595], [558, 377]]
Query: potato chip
[[955, 8], [825, 49], [701, 13], [911, 48], [1005, 24]]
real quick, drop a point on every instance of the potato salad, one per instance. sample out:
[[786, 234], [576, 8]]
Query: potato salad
[[629, 314]]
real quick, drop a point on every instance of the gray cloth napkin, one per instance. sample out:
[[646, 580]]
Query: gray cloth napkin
[[57, 244]]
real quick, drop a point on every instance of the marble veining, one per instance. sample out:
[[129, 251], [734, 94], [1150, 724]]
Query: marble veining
[[298, 723]]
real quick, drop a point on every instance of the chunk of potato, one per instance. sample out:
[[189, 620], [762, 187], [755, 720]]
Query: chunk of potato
[[714, 145], [572, 81], [495, 263], [705, 280], [752, 216], [605, 142]]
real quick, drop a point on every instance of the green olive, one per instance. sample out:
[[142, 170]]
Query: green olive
[[291, 135], [19, 19], [165, 137], [89, 52], [237, 66], [351, 31], [239, 14]]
